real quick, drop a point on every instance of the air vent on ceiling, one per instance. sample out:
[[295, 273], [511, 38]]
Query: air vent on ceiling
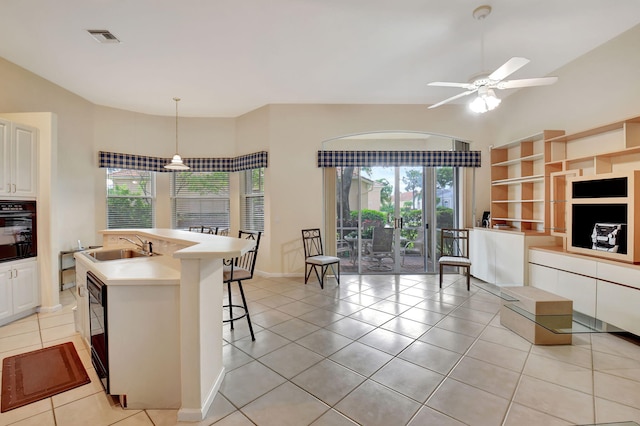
[[103, 36]]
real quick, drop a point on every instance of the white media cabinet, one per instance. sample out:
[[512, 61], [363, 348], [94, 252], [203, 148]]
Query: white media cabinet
[[603, 289]]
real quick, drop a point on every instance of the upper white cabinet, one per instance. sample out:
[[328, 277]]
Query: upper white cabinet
[[18, 164]]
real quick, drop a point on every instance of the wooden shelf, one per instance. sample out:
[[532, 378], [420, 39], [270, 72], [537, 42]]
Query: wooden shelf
[[517, 201], [515, 219], [519, 160], [516, 180]]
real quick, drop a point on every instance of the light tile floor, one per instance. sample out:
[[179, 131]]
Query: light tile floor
[[376, 350]]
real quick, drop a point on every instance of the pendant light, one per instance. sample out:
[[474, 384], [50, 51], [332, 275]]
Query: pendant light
[[176, 161]]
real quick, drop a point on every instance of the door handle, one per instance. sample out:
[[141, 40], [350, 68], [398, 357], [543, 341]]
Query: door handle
[[14, 188], [16, 275], [9, 187]]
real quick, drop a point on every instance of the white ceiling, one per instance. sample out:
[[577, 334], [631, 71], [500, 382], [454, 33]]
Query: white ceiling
[[227, 57]]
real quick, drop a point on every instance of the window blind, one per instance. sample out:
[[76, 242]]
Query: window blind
[[200, 199], [130, 198], [252, 201]]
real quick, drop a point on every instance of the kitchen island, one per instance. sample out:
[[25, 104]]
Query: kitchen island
[[164, 316]]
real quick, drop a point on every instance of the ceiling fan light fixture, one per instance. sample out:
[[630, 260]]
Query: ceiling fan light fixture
[[176, 162], [485, 101], [492, 100], [478, 105]]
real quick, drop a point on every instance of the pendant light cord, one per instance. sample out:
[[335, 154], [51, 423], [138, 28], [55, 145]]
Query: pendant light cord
[[177, 100]]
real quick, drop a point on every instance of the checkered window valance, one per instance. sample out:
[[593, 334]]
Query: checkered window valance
[[156, 164], [399, 158]]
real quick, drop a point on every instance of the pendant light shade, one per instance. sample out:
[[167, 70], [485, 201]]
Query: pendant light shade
[[176, 162]]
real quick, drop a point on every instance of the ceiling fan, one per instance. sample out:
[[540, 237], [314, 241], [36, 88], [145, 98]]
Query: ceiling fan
[[485, 84]]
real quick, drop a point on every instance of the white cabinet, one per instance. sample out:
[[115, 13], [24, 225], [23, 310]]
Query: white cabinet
[[500, 257], [618, 305], [19, 289], [82, 300], [599, 288], [18, 163]]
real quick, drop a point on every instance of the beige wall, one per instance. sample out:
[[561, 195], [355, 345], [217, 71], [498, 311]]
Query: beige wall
[[135, 133], [293, 183], [599, 87]]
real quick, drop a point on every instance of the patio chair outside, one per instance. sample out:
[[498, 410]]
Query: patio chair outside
[[381, 248]]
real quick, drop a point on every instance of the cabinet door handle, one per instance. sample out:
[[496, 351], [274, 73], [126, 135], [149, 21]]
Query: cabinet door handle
[[10, 274], [16, 273], [14, 188], [8, 187]]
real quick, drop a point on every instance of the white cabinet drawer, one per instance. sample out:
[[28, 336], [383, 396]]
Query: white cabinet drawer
[[580, 289], [564, 262], [627, 275], [543, 278], [618, 305]]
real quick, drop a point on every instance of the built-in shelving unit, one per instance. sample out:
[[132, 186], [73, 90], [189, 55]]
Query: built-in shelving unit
[[611, 148], [518, 183]]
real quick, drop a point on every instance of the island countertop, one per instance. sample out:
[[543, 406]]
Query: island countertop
[[164, 268]]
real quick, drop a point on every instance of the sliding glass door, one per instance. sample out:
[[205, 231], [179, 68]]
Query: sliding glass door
[[388, 217]]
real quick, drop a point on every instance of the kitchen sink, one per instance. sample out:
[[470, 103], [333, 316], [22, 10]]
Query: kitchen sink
[[117, 254]]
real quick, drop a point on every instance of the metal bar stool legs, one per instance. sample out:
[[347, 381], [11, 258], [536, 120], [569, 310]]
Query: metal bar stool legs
[[244, 308]]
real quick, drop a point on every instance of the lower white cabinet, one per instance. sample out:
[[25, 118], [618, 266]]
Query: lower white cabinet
[[500, 257], [580, 289], [599, 288], [19, 289], [618, 305]]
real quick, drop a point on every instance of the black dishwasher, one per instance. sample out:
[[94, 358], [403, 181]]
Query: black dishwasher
[[98, 326]]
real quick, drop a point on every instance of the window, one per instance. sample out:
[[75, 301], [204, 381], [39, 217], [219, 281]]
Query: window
[[130, 198], [200, 199], [252, 201]]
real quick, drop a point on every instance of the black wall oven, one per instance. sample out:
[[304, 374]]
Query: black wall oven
[[98, 326], [18, 237]]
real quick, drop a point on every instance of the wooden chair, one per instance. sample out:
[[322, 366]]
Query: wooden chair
[[314, 257], [241, 269], [210, 230], [454, 251], [204, 229]]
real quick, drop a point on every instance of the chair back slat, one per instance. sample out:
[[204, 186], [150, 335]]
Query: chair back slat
[[248, 260], [454, 242], [312, 242]]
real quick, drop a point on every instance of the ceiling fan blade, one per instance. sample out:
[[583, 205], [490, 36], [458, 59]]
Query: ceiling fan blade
[[459, 95], [526, 82], [449, 84], [508, 68]]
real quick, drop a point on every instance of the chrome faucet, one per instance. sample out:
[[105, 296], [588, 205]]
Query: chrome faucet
[[144, 245]]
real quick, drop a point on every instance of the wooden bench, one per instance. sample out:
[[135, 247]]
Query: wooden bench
[[530, 308]]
